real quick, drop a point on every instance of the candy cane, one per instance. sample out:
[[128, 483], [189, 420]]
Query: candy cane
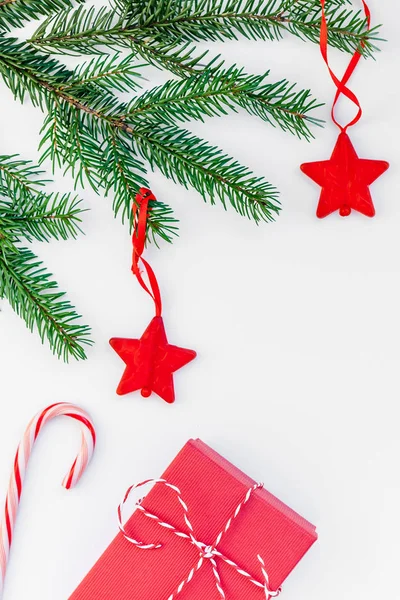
[[22, 457]]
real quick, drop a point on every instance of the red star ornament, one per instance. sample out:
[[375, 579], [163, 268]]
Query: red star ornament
[[344, 180], [150, 362]]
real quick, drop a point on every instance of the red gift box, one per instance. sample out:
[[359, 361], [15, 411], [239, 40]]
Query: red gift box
[[212, 488]]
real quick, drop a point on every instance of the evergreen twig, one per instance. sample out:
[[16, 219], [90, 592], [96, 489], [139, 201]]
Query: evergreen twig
[[27, 213], [14, 13], [216, 90], [86, 30]]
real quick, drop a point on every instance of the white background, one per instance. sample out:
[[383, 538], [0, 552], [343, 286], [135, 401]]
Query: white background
[[297, 329]]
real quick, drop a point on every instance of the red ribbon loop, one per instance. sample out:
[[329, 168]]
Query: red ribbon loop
[[140, 215], [341, 84]]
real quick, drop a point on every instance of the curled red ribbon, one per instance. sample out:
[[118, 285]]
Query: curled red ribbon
[[140, 215], [341, 84]]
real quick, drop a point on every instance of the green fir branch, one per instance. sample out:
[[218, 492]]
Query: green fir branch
[[20, 179], [181, 59], [190, 161], [194, 98], [86, 121], [216, 20], [278, 103], [157, 30], [14, 13], [108, 163], [28, 73], [160, 147], [27, 213], [87, 30], [110, 74], [81, 30], [216, 91], [34, 296], [42, 217]]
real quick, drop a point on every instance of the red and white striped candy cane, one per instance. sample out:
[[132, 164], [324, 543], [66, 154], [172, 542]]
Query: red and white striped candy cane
[[22, 457]]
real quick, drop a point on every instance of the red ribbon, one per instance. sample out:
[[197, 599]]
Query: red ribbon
[[140, 215], [342, 84]]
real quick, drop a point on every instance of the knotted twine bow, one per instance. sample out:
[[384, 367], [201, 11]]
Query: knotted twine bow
[[206, 552]]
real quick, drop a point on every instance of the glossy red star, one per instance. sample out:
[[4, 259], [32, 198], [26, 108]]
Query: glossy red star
[[344, 180], [150, 362]]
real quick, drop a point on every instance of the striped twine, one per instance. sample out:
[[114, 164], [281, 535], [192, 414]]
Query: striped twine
[[88, 441], [206, 552]]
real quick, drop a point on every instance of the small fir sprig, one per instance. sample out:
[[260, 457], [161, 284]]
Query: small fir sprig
[[28, 213], [128, 22], [15, 13]]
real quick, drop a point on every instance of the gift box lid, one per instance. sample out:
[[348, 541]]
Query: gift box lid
[[212, 488]]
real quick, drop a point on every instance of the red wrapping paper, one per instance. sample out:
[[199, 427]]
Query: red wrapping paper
[[212, 488]]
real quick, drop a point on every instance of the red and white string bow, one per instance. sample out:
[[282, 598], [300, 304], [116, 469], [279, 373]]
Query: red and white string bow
[[206, 552]]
